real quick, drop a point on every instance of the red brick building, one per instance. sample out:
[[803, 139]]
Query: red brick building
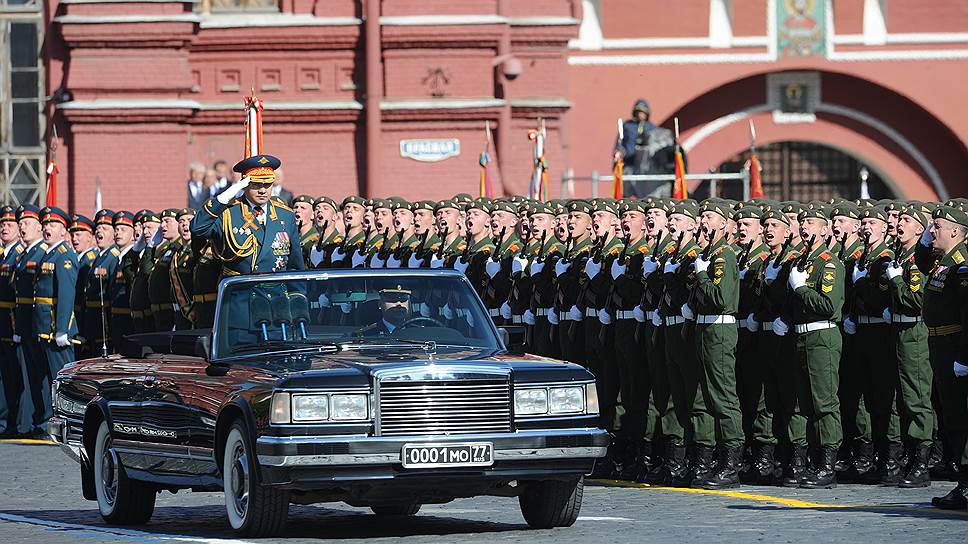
[[137, 89]]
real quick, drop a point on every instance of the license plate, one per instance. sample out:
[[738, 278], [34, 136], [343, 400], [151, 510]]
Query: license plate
[[479, 454]]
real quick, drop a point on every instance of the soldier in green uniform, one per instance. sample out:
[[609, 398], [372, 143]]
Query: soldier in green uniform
[[480, 245], [452, 244], [122, 279], [302, 207], [424, 227], [910, 341], [497, 269], [205, 278], [327, 215], [181, 272], [11, 381], [29, 350], [569, 271], [95, 327], [408, 239], [541, 272], [353, 210], [165, 243], [941, 255], [816, 299], [141, 261]]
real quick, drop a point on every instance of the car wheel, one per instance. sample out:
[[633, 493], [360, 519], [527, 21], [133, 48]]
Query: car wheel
[[552, 503], [400, 509], [254, 510], [121, 500]]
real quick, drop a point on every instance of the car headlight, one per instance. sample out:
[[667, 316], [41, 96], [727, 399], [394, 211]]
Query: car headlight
[[310, 408], [567, 400], [348, 407], [530, 402]]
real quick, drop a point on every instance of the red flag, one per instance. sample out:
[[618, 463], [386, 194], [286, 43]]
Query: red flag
[[756, 184], [679, 189], [51, 183], [618, 188]]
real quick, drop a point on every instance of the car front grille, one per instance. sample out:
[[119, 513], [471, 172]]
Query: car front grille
[[433, 407]]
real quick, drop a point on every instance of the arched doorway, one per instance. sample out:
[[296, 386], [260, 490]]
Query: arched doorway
[[805, 171]]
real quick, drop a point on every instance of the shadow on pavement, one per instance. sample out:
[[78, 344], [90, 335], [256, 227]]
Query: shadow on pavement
[[888, 509], [308, 522]]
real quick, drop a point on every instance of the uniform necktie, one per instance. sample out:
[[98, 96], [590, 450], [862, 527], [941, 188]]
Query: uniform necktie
[[260, 214]]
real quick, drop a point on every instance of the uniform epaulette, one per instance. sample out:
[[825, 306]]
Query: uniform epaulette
[[62, 249], [826, 256], [614, 251], [461, 246], [281, 205], [19, 249], [44, 246], [115, 252], [643, 249], [90, 254], [514, 248], [957, 257]]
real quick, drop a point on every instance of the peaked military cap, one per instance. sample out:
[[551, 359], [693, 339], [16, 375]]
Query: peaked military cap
[[56, 215], [259, 168], [104, 217], [8, 213], [28, 210], [146, 216], [80, 222], [123, 217]]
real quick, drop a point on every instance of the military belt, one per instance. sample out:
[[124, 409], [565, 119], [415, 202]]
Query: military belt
[[566, 316], [543, 311], [121, 311], [944, 330], [905, 319], [869, 320], [137, 314], [674, 320], [591, 312], [159, 307], [25, 300], [207, 297], [45, 300], [804, 328], [649, 314], [494, 312], [516, 319], [716, 320], [94, 304], [743, 323], [8, 305], [625, 314], [768, 326], [229, 272]]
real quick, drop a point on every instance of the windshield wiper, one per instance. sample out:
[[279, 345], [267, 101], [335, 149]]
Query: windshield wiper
[[291, 345]]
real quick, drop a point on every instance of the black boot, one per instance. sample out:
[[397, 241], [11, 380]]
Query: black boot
[[726, 474], [917, 473], [795, 469], [957, 498], [822, 476], [889, 464], [763, 465], [636, 459], [673, 467], [657, 453], [700, 466], [864, 469], [605, 467]]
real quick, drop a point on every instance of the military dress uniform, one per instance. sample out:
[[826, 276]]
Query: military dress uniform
[[206, 272], [85, 258], [30, 354], [11, 381], [159, 279], [95, 328], [121, 323], [544, 339]]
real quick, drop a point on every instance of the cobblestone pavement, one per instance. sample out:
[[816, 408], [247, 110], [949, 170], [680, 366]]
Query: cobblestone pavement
[[41, 502]]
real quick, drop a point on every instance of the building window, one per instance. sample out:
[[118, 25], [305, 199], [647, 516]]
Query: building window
[[22, 152], [222, 6]]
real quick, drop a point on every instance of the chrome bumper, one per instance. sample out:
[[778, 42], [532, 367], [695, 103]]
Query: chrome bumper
[[58, 430]]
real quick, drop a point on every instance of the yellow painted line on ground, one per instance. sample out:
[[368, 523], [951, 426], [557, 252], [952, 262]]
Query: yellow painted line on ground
[[793, 503], [28, 441]]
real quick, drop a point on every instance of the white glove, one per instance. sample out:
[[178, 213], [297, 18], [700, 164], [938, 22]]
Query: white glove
[[639, 314], [592, 268], [926, 238], [617, 269], [561, 267], [469, 317], [552, 316], [536, 267], [893, 270], [780, 328], [425, 310], [752, 324], [413, 261], [772, 271], [528, 317], [460, 265], [960, 370], [656, 319], [649, 266], [140, 243], [338, 255], [316, 256], [16, 339], [506, 311], [359, 257], [518, 263], [858, 273], [156, 238], [700, 264], [62, 341], [377, 262], [849, 326], [492, 267], [447, 312], [233, 191], [742, 274], [574, 314], [604, 318], [798, 278], [688, 313], [886, 314], [436, 261], [324, 301], [393, 262], [670, 268], [346, 307]]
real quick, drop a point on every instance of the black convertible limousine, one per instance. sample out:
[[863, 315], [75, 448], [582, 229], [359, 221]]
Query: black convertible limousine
[[380, 388]]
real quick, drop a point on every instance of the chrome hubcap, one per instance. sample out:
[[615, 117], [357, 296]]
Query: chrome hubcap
[[239, 483], [109, 474]]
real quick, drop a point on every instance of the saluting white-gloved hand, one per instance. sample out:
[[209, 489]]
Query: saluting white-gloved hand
[[688, 313], [62, 340], [337, 255], [887, 315], [772, 271], [460, 264], [553, 316], [324, 301], [16, 339], [618, 269], [575, 314], [649, 266], [604, 318], [670, 268], [849, 326], [518, 263], [436, 261], [316, 255], [893, 270], [393, 261], [156, 238], [639, 314], [798, 278], [779, 327], [656, 319], [528, 317], [592, 268], [561, 267], [492, 267], [234, 191], [506, 311], [752, 324], [359, 258], [959, 369], [536, 267], [858, 273], [700, 264]]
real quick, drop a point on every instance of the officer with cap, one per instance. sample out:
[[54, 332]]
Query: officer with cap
[[54, 326], [181, 272], [137, 265], [165, 243], [97, 299], [250, 234], [10, 379], [29, 351], [122, 279], [85, 246]]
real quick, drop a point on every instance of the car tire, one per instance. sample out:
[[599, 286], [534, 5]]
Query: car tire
[[552, 503], [402, 509], [121, 500], [254, 510]]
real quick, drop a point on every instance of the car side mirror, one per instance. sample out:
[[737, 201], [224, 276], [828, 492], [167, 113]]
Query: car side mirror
[[203, 347], [513, 337]]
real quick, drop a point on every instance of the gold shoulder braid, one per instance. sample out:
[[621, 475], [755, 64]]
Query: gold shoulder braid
[[233, 250]]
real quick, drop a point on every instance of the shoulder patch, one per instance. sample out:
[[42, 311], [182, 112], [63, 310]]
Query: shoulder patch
[[885, 253], [763, 256], [461, 246], [826, 256], [514, 247], [614, 251], [856, 254], [643, 249]]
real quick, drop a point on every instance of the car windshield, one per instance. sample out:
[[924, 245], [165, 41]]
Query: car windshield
[[364, 310]]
